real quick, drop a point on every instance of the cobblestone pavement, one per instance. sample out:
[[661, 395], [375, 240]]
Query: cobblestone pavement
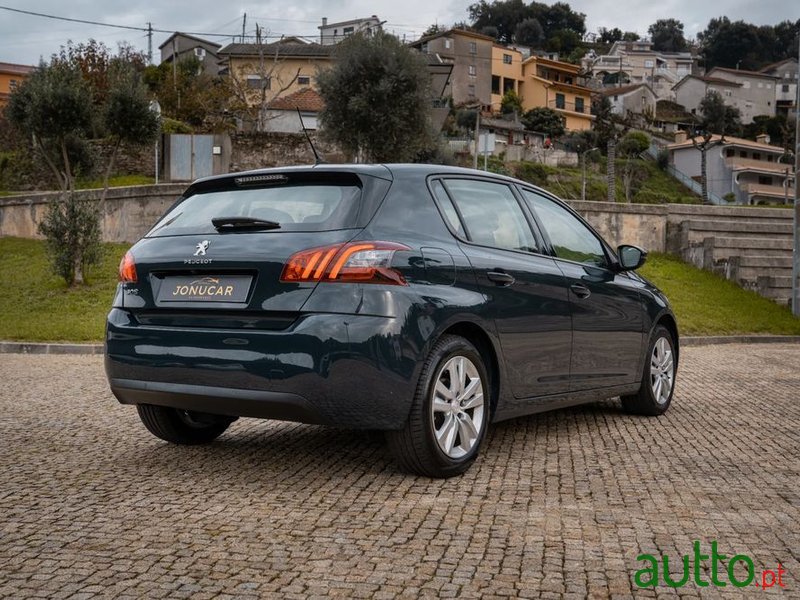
[[560, 504]]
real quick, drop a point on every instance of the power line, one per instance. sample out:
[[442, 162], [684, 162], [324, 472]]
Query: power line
[[114, 25]]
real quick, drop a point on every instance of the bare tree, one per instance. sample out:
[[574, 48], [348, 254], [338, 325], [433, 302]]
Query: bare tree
[[719, 119], [273, 80]]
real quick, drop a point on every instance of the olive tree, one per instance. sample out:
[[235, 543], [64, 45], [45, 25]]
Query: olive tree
[[377, 99]]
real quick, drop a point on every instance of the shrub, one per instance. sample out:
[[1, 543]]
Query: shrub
[[535, 173], [72, 236]]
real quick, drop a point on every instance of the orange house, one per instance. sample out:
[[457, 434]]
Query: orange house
[[11, 76]]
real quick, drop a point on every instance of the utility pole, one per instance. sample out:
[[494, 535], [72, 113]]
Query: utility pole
[[477, 136], [149, 43], [796, 245], [244, 25]]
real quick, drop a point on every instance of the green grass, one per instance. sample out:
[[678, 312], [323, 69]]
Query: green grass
[[706, 304], [657, 186], [36, 305], [118, 181]]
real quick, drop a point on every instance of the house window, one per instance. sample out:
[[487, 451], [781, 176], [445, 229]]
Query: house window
[[473, 48], [770, 158], [12, 85], [742, 154], [616, 98], [560, 101], [648, 64], [764, 180], [448, 43], [303, 80], [495, 84], [256, 82], [756, 156], [471, 90], [472, 71], [507, 59], [730, 152], [348, 31], [424, 47], [200, 53], [785, 88], [579, 105]]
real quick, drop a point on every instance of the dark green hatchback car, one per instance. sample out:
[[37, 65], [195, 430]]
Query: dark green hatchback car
[[421, 300]]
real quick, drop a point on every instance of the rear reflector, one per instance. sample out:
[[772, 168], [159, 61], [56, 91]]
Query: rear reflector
[[127, 269], [354, 262]]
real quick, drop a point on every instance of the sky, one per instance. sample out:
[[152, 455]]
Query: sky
[[25, 39]]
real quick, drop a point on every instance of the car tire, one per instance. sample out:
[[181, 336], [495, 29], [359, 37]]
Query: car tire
[[182, 426], [658, 380], [448, 418]]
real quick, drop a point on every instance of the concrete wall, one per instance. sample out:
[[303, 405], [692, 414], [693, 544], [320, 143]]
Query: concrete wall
[[130, 212]]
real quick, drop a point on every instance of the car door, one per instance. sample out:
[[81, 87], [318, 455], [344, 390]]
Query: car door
[[607, 307], [526, 292]]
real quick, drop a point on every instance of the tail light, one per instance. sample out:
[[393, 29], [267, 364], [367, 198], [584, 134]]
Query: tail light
[[354, 262], [127, 269]]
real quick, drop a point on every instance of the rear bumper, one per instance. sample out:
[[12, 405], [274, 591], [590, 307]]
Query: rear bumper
[[345, 370]]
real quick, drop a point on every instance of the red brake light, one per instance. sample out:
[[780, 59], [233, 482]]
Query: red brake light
[[127, 269], [354, 262]]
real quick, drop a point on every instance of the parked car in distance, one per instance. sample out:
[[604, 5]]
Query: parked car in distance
[[425, 301]]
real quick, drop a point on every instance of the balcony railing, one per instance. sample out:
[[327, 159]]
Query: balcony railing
[[571, 106], [738, 163], [774, 191]]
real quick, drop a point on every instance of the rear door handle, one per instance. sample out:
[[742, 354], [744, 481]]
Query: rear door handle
[[500, 278], [580, 290]]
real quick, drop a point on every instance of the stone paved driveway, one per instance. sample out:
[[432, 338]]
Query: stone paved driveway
[[560, 504]]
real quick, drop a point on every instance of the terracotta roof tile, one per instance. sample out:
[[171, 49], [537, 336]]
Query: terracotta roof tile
[[307, 100]]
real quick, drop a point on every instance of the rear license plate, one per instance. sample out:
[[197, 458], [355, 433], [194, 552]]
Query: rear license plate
[[211, 288]]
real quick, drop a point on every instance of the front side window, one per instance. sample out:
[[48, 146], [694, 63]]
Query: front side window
[[507, 59], [473, 48], [561, 101], [579, 105], [472, 70], [571, 239], [492, 216]]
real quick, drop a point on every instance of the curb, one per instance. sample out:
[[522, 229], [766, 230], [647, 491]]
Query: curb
[[711, 340], [49, 348], [687, 341]]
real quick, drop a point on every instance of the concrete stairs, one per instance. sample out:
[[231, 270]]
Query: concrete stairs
[[755, 253]]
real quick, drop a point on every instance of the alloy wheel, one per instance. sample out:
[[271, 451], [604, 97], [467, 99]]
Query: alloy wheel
[[662, 370], [457, 407]]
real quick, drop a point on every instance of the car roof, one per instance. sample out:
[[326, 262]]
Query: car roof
[[388, 171]]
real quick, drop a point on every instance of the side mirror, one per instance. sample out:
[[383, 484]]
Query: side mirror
[[630, 257]]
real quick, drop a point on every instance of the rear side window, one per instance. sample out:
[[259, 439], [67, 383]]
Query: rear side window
[[491, 214], [300, 207]]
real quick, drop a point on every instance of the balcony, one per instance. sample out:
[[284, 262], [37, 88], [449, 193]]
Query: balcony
[[777, 192], [736, 163]]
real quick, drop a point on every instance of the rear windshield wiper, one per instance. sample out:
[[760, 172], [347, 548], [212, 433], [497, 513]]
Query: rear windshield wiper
[[230, 223]]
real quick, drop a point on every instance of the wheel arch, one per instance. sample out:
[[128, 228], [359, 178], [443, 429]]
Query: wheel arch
[[668, 320], [478, 337]]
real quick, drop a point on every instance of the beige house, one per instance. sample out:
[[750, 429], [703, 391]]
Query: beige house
[[333, 33], [636, 62], [785, 73], [755, 95], [262, 73], [637, 99], [471, 56], [691, 90], [749, 170]]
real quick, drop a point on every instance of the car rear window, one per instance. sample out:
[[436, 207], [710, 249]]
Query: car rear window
[[296, 207]]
